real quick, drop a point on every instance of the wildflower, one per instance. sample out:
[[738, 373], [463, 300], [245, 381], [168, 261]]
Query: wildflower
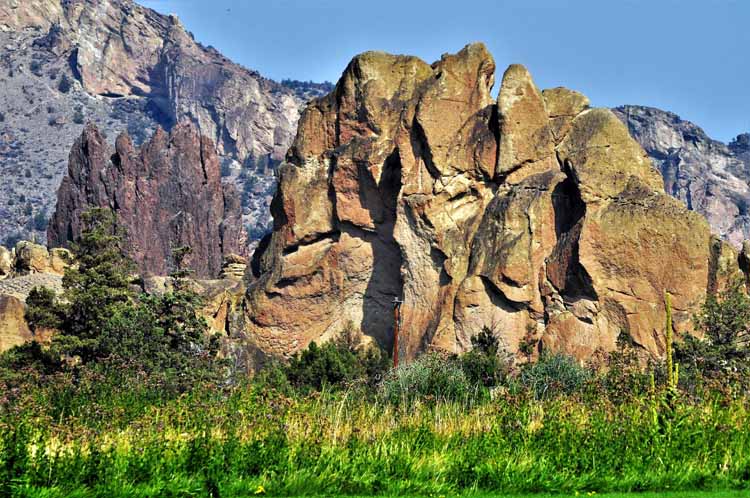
[[260, 490]]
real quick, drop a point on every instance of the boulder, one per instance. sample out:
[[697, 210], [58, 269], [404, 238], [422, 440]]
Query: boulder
[[6, 262], [31, 258], [14, 330]]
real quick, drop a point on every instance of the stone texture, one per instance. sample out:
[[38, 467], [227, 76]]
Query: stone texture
[[166, 194], [124, 66], [13, 328], [710, 177], [534, 216], [29, 258], [6, 262]]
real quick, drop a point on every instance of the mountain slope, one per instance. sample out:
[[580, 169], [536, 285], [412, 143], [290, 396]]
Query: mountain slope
[[126, 67], [709, 176]]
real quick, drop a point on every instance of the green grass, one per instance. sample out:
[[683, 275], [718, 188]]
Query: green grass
[[240, 492], [229, 443]]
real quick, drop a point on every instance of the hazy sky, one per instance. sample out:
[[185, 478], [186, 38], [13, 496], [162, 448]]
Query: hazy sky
[[691, 57]]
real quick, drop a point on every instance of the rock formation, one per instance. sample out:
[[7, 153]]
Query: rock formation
[[166, 194], [123, 66], [535, 216], [31, 266], [708, 176]]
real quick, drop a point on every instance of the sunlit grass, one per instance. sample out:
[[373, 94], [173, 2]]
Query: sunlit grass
[[215, 442]]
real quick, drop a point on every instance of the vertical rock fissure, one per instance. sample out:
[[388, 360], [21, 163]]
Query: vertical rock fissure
[[564, 269], [385, 283]]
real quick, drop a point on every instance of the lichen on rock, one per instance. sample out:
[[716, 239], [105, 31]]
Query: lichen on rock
[[535, 216]]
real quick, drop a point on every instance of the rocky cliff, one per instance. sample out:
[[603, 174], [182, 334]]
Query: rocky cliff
[[123, 66], [166, 194], [710, 177], [533, 215]]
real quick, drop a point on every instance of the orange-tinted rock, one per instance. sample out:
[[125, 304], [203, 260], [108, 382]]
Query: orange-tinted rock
[[536, 217], [13, 328]]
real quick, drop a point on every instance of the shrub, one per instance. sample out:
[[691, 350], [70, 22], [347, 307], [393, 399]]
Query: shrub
[[78, 117], [724, 351], [336, 362], [65, 84], [486, 364], [40, 221], [553, 374], [103, 323], [430, 377], [42, 310]]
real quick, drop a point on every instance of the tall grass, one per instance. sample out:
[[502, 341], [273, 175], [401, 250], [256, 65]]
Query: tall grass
[[239, 441]]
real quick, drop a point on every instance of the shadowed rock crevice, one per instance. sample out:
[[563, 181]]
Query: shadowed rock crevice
[[386, 283], [564, 269]]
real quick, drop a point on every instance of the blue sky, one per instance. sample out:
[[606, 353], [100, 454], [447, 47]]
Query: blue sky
[[688, 56]]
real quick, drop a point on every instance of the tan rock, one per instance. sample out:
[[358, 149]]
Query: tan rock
[[525, 133], [563, 106], [603, 157], [14, 330], [394, 189], [59, 259], [6, 262], [31, 258]]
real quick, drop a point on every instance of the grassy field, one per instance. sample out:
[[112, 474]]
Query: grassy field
[[216, 442]]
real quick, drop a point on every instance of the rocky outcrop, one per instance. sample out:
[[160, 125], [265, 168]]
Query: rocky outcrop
[[535, 216], [708, 176], [14, 330], [123, 66], [28, 258], [222, 298], [166, 194]]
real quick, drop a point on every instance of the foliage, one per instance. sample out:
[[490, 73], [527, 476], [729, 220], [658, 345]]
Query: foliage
[[94, 437], [65, 84], [724, 352], [340, 361], [553, 374], [486, 364], [42, 310], [103, 322], [40, 221], [430, 377]]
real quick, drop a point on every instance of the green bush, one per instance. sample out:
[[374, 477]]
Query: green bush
[[103, 323], [723, 355], [486, 364], [553, 374], [337, 362], [431, 377], [42, 310]]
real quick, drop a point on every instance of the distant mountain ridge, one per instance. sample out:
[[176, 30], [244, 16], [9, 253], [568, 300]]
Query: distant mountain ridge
[[709, 176], [126, 67]]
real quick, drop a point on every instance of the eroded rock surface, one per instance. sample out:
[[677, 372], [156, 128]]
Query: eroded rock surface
[[126, 67], [166, 194], [535, 216], [710, 177]]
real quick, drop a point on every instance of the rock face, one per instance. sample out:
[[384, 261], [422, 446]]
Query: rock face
[[708, 176], [535, 216], [14, 330], [123, 66], [166, 194]]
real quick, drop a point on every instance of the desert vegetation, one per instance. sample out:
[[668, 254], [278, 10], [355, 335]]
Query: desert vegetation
[[130, 399]]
